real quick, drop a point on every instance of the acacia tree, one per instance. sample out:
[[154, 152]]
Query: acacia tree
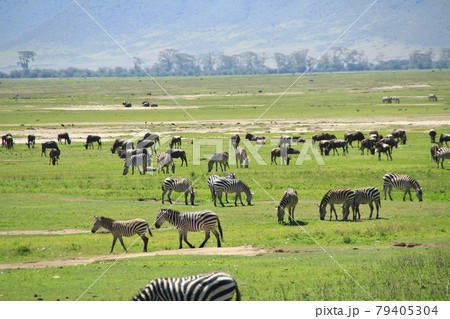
[[24, 58]]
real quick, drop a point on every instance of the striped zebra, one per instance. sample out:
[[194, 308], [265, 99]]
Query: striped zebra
[[441, 155], [337, 196], [216, 286], [192, 221], [237, 186], [367, 195], [241, 157], [288, 201], [405, 182], [119, 228], [179, 185], [211, 180]]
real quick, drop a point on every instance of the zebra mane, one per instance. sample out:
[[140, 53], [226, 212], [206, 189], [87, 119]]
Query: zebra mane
[[107, 219], [172, 212], [414, 183]]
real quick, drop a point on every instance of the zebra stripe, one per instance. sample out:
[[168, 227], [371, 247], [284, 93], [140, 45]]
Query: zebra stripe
[[216, 286], [119, 228], [231, 186], [165, 160], [211, 180], [441, 155], [288, 201], [179, 185], [192, 221], [402, 182], [337, 196], [367, 195]]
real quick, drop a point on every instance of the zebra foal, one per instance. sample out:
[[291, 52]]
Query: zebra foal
[[119, 228], [179, 185], [367, 195], [191, 221], [344, 196], [237, 186], [216, 286], [288, 201], [402, 182]]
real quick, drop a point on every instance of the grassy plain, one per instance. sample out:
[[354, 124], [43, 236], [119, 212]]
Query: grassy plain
[[36, 196]]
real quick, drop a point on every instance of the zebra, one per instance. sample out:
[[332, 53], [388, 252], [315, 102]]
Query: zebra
[[398, 181], [179, 185], [135, 161], [215, 286], [441, 155], [211, 180], [191, 221], [231, 186], [221, 158], [241, 157], [337, 196], [288, 201], [119, 228], [367, 195], [165, 160]]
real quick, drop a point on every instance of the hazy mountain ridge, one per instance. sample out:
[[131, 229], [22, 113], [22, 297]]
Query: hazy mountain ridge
[[63, 35]]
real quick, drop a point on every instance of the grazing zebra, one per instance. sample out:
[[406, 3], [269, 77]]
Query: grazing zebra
[[337, 196], [432, 134], [54, 156], [288, 201], [405, 182], [191, 221], [216, 286], [444, 138], [441, 155], [383, 148], [368, 195], [211, 180], [241, 157], [231, 186], [90, 139], [65, 137], [179, 185], [432, 97], [119, 228], [31, 140], [221, 158], [135, 161], [165, 160]]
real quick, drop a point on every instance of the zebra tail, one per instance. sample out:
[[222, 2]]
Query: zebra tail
[[220, 229]]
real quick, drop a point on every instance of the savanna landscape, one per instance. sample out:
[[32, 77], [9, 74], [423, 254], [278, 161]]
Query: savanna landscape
[[47, 211]]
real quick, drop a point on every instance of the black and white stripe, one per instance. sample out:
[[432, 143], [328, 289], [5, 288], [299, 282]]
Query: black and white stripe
[[216, 286], [165, 160], [441, 155], [288, 201], [119, 228], [337, 196], [367, 195], [179, 185], [402, 182], [191, 221], [211, 180], [237, 186]]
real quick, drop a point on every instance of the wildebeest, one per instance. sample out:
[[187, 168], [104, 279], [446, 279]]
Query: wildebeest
[[323, 144], [444, 138], [235, 140], [65, 137], [283, 153], [178, 153], [433, 150], [399, 135], [284, 139], [395, 99], [126, 104], [391, 141], [117, 143], [9, 142], [146, 103], [152, 137], [154, 104], [369, 144], [355, 136], [241, 157], [334, 145], [50, 145], [4, 137], [90, 139], [252, 137], [219, 158], [54, 156], [164, 160], [139, 160], [323, 136], [31, 140], [176, 142], [432, 97], [432, 134], [383, 148], [386, 99]]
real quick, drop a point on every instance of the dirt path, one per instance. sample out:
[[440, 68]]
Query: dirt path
[[43, 232], [222, 251]]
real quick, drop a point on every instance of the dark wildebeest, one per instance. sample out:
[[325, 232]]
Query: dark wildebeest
[[131, 152], [395, 99], [152, 137], [432, 97], [31, 140], [146, 103], [121, 144], [126, 104], [369, 144], [219, 158], [399, 135], [54, 156], [90, 139], [323, 136], [284, 139], [334, 145], [432, 134], [355, 136], [153, 104], [282, 152], [386, 99], [444, 138], [391, 141], [50, 145], [252, 137], [179, 153], [323, 144], [434, 149], [65, 137], [235, 140], [383, 148], [4, 137], [175, 142], [9, 142]]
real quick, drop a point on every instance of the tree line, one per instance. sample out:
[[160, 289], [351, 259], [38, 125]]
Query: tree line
[[172, 62]]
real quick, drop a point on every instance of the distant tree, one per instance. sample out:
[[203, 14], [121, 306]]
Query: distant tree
[[138, 62], [24, 58], [421, 60], [444, 59]]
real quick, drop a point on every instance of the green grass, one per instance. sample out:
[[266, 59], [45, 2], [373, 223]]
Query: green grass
[[36, 196]]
